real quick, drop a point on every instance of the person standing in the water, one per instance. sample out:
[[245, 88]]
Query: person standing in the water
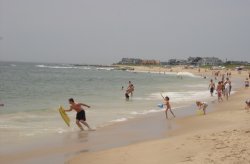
[[219, 91], [211, 87], [168, 106], [130, 88]]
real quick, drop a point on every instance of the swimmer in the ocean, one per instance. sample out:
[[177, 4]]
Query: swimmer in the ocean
[[130, 88]]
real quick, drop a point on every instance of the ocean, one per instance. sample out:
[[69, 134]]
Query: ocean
[[32, 93]]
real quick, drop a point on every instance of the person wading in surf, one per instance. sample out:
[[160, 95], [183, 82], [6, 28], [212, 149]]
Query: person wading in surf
[[80, 115]]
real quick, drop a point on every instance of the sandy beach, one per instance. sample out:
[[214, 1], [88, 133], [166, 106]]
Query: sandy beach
[[180, 69], [219, 137], [124, 82]]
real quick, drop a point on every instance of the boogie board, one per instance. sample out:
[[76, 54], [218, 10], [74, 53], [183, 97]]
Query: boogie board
[[199, 112], [64, 115], [160, 106]]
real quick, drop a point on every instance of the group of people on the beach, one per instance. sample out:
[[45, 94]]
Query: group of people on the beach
[[80, 112], [223, 89], [247, 86]]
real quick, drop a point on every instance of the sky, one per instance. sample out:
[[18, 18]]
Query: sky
[[104, 31]]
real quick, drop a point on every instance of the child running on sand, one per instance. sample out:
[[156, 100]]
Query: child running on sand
[[80, 115], [202, 105], [168, 106]]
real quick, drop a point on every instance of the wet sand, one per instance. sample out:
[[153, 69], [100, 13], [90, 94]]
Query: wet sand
[[64, 146], [105, 142], [221, 136]]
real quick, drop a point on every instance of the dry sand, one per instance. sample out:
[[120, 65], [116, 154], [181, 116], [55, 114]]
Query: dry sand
[[220, 137]]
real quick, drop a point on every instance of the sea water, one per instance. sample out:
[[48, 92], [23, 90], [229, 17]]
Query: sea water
[[33, 92]]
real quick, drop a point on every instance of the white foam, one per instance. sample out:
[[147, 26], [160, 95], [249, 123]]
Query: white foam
[[119, 120], [153, 72], [86, 68], [134, 113], [153, 111], [55, 67], [104, 68], [186, 74], [145, 112], [182, 96], [196, 85], [60, 130]]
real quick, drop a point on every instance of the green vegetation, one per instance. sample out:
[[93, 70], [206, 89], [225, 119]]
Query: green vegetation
[[233, 66], [227, 66]]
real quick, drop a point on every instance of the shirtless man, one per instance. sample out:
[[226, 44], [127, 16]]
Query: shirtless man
[[211, 87], [80, 115], [130, 88]]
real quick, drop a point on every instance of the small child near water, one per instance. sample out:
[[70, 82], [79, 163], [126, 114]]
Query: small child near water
[[168, 106], [202, 105]]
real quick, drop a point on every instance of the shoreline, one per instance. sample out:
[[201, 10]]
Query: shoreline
[[207, 135], [151, 109], [70, 144], [186, 127], [79, 138]]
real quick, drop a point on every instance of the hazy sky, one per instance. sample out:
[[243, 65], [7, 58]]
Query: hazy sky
[[104, 31]]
